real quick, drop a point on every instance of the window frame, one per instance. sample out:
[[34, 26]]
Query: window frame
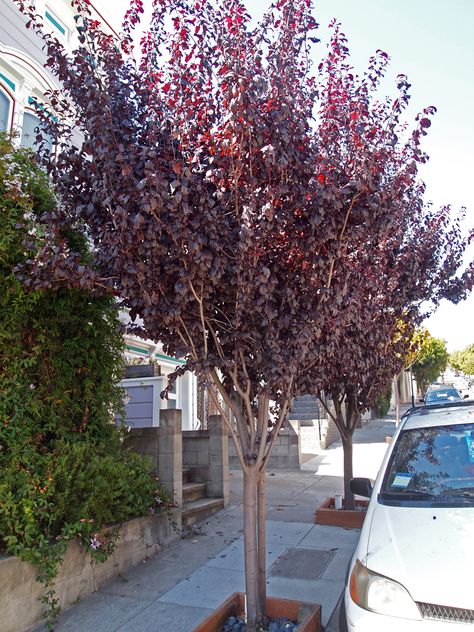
[[32, 111], [59, 25], [5, 90]]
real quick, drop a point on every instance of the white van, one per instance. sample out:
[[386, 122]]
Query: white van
[[412, 569]]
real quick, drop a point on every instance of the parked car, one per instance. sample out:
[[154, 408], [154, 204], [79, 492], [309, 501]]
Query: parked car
[[441, 395], [412, 567]]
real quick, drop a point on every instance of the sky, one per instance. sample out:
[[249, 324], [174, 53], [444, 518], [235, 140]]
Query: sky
[[431, 42]]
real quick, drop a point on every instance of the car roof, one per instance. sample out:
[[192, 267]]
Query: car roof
[[439, 415]]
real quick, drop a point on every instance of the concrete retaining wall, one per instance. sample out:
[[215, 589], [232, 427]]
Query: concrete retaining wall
[[20, 594], [286, 453], [145, 441], [205, 453], [169, 450], [195, 448]]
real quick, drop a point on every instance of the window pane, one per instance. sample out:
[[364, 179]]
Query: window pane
[[4, 111], [28, 134], [55, 21]]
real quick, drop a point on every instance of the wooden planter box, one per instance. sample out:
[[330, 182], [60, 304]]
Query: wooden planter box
[[307, 615], [351, 519]]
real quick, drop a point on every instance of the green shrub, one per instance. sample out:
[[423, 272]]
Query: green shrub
[[63, 470], [383, 402], [77, 490]]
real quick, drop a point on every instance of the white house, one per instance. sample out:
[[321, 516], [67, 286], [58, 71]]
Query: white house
[[23, 79], [144, 404]]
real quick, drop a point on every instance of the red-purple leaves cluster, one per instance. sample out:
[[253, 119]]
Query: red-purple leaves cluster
[[407, 253], [233, 223]]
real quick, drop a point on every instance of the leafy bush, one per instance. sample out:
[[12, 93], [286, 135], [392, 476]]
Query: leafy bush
[[463, 360], [431, 361], [77, 490], [63, 470], [383, 402]]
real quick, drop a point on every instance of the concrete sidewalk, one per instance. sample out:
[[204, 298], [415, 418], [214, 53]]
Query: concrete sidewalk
[[183, 583]]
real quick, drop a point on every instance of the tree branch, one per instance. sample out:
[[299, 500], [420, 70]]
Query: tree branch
[[230, 427], [241, 427], [190, 340], [325, 406], [343, 230], [281, 418], [216, 341], [263, 426], [201, 315]]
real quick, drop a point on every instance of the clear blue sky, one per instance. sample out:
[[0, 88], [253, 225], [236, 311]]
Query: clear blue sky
[[431, 41]]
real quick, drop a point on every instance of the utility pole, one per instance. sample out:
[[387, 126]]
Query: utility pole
[[411, 388]]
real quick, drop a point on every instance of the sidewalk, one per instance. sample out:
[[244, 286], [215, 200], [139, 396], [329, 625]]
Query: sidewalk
[[181, 585]]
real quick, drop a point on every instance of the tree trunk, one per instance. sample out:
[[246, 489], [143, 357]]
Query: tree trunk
[[348, 470], [255, 609], [345, 421], [347, 424], [262, 570], [397, 399], [251, 439]]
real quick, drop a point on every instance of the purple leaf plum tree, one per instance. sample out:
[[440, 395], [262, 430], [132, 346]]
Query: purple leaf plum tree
[[223, 212], [409, 263]]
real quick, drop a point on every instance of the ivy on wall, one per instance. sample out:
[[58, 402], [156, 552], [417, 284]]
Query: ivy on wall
[[63, 470]]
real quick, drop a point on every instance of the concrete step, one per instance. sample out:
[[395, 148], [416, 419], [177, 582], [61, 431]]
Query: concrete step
[[306, 402], [193, 491], [304, 398], [304, 416], [305, 411], [198, 510]]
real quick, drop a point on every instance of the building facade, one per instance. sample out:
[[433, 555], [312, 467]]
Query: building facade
[[24, 81], [144, 388], [23, 78]]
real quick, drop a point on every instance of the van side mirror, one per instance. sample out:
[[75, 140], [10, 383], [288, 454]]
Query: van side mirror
[[361, 487]]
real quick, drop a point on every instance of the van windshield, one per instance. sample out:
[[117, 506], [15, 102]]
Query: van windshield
[[434, 464]]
